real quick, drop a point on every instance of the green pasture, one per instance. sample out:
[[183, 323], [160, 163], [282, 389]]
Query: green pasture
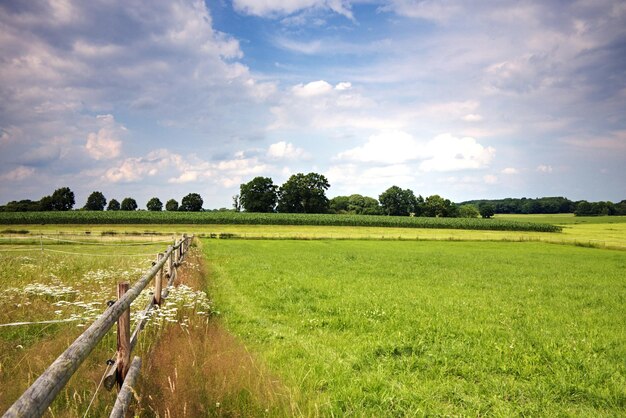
[[601, 232], [395, 328]]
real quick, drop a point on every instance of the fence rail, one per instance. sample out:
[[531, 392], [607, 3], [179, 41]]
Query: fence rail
[[36, 399]]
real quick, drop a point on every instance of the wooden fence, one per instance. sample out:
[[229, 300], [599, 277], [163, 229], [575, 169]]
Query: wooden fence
[[36, 399]]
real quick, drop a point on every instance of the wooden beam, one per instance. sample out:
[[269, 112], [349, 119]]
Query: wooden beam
[[126, 392]]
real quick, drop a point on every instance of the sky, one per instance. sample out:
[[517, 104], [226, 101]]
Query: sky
[[468, 100]]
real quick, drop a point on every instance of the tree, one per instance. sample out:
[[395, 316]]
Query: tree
[[304, 194], [95, 201], [258, 195], [191, 203], [46, 203], [339, 204], [486, 210], [398, 202], [128, 203], [468, 211], [113, 205], [154, 205], [237, 203], [437, 206], [363, 205], [62, 199], [171, 205]]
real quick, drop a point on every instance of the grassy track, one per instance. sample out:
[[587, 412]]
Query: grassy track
[[431, 328]]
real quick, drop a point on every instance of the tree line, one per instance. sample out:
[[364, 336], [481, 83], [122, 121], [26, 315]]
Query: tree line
[[548, 205], [63, 200], [306, 193]]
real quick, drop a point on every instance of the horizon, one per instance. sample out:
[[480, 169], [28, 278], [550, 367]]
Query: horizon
[[470, 102]]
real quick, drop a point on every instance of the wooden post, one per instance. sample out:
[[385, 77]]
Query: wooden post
[[170, 262], [126, 392], [35, 400], [158, 282], [123, 337]]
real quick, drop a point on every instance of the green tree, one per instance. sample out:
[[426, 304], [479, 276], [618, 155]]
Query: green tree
[[339, 204], [128, 203], [95, 201], [258, 195], [304, 194], [191, 203], [437, 206], [468, 211], [171, 205], [46, 203], [398, 202], [486, 210], [63, 199], [154, 205], [113, 205]]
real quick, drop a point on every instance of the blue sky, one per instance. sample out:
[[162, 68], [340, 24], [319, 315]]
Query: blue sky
[[468, 100]]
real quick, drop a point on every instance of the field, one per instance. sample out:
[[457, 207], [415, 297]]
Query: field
[[438, 328], [243, 218], [322, 320]]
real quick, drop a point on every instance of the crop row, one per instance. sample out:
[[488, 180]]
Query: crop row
[[243, 218]]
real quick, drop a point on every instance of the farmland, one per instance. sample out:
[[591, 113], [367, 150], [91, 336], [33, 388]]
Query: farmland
[[431, 328], [232, 218], [316, 320]]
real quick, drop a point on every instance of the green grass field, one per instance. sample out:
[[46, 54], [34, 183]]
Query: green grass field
[[430, 328], [340, 320]]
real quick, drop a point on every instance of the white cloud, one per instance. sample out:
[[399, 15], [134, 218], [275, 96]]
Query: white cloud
[[449, 153], [472, 117], [343, 86], [510, 171], [272, 8], [286, 150], [490, 179], [314, 88], [443, 153], [391, 147], [18, 174], [437, 10], [105, 144], [547, 169]]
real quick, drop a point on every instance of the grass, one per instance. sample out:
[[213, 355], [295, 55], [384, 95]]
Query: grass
[[430, 328], [75, 284]]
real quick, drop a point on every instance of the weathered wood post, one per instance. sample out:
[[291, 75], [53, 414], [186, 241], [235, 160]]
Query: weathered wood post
[[126, 392], [170, 263], [158, 281], [123, 337]]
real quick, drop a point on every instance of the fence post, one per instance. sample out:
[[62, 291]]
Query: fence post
[[123, 338], [158, 281], [170, 263]]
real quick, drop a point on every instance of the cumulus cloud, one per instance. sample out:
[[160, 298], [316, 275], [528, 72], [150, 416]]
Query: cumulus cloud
[[174, 168], [391, 147], [273, 8], [105, 144], [546, 169], [510, 171], [472, 117], [319, 105], [449, 153], [18, 174], [443, 153], [314, 88], [286, 150]]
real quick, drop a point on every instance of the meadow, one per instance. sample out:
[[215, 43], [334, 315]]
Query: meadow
[[430, 328], [322, 320]]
